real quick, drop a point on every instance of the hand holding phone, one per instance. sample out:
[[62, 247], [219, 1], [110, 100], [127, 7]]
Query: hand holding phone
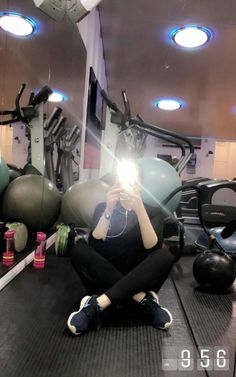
[[113, 197], [132, 199]]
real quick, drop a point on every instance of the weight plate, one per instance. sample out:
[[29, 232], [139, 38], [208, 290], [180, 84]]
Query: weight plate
[[62, 239]]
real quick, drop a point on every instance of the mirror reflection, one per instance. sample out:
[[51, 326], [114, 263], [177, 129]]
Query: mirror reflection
[[42, 82], [117, 187]]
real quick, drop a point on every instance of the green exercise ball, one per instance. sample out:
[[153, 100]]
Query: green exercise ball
[[159, 179], [4, 175], [80, 201], [32, 200]]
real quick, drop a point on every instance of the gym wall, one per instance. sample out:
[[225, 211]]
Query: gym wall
[[109, 141], [6, 143], [225, 157], [89, 29]]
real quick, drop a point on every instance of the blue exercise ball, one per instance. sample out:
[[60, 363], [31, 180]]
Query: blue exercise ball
[[4, 175], [159, 180], [228, 244]]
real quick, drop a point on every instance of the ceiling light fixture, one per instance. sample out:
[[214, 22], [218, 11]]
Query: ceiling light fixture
[[191, 36], [17, 24], [168, 104]]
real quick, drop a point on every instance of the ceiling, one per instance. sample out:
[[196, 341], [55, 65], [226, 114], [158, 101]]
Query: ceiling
[[140, 60], [54, 56]]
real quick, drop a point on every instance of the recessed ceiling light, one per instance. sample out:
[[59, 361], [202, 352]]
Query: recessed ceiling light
[[57, 97], [169, 104], [17, 24], [191, 36]]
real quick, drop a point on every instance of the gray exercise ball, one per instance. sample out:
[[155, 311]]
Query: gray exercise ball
[[80, 201], [32, 200], [4, 174]]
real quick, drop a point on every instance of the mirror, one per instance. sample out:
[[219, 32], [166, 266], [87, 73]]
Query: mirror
[[54, 55]]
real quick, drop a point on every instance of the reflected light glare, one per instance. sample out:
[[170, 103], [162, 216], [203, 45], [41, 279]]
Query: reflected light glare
[[56, 97], [17, 25], [191, 36], [127, 173], [168, 104]]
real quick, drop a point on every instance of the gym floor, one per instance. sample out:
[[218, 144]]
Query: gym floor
[[34, 340]]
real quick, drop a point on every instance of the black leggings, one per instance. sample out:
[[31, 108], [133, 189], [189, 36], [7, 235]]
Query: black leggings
[[97, 275]]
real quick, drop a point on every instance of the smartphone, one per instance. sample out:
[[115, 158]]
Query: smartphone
[[127, 174]]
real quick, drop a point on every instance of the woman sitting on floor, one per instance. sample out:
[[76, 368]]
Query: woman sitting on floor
[[124, 258]]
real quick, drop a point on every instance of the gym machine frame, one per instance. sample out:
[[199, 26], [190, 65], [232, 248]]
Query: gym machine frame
[[32, 116], [125, 121]]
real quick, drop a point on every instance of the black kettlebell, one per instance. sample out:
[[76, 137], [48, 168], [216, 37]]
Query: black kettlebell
[[214, 270]]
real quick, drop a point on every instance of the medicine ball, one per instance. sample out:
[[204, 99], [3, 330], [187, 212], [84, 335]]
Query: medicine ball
[[214, 270]]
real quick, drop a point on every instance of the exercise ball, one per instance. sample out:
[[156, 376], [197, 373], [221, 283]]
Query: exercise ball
[[13, 174], [159, 179], [80, 201], [32, 200], [4, 175], [214, 270], [228, 244]]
